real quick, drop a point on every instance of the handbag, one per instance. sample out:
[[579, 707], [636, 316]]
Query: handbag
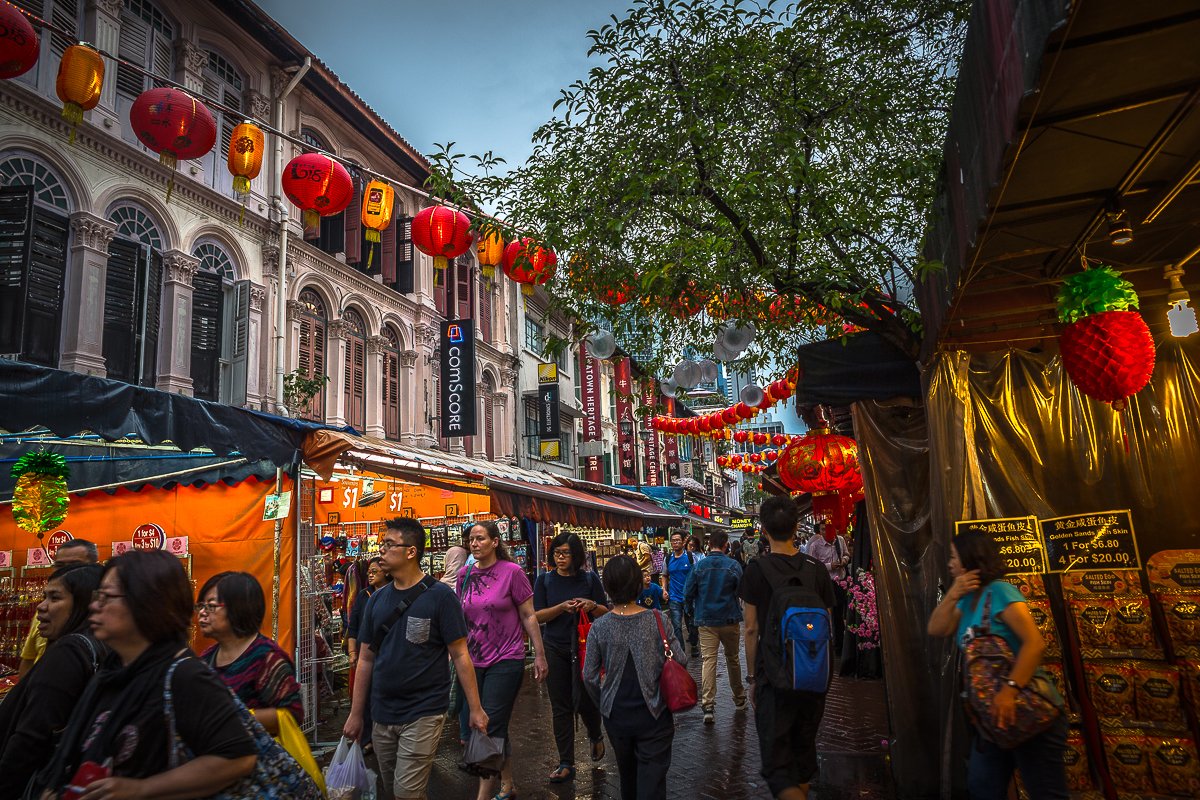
[[276, 774], [677, 687], [293, 740], [987, 662], [582, 628]]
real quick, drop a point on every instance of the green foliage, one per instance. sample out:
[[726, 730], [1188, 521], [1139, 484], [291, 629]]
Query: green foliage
[[1092, 291], [299, 389], [738, 153]]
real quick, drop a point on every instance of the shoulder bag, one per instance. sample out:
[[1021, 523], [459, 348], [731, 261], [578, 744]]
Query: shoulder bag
[[987, 662], [678, 688]]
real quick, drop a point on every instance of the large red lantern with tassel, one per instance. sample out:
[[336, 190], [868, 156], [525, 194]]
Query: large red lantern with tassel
[[529, 264], [173, 124], [821, 461], [318, 186], [18, 42], [441, 232]]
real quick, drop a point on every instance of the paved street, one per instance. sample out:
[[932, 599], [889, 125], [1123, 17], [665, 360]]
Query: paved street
[[710, 761]]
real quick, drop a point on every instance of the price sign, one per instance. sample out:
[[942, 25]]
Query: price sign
[[149, 537], [121, 548], [1096, 540], [55, 541], [1016, 538], [5, 559], [37, 557]]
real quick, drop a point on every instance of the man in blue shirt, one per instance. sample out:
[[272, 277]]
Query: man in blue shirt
[[711, 597], [678, 565]]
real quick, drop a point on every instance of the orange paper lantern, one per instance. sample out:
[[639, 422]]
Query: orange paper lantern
[[245, 155], [80, 77], [377, 204], [490, 250]]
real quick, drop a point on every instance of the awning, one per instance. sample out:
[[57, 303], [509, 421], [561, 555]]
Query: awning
[[68, 403], [562, 504], [652, 514]]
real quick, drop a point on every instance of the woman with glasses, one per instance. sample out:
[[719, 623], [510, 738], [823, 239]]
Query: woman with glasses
[[118, 741], [561, 598], [39, 706], [231, 610]]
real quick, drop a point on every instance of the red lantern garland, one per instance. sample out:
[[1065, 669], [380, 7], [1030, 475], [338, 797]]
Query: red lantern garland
[[173, 124], [441, 232], [18, 42], [318, 186], [529, 264]]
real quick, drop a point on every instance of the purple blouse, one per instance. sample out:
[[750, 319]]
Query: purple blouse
[[490, 601]]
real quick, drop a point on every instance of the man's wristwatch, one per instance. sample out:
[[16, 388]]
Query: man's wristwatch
[[1012, 683]]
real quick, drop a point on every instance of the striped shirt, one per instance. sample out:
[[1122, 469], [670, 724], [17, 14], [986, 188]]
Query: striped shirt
[[261, 677]]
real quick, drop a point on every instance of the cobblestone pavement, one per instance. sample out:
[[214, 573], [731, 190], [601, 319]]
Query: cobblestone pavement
[[709, 761]]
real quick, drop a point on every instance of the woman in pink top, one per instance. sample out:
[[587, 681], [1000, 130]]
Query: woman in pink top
[[497, 601]]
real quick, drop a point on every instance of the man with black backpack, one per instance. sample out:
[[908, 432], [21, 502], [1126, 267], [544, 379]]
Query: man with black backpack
[[789, 648]]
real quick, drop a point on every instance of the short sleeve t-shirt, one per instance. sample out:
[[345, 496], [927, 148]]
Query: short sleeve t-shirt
[[490, 598], [757, 589], [412, 671], [1003, 595], [677, 574], [550, 589], [651, 597]]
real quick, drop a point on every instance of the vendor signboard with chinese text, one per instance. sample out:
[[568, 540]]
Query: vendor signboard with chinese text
[[1016, 538], [1095, 540]]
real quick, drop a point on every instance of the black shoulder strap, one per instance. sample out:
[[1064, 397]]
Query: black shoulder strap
[[399, 611], [92, 649]]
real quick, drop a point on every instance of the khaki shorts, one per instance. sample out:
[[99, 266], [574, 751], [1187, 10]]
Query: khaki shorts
[[405, 754]]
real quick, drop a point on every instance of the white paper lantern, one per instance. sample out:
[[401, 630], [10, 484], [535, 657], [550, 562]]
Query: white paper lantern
[[708, 370], [751, 395], [721, 352], [737, 336], [687, 374], [668, 387], [601, 344]]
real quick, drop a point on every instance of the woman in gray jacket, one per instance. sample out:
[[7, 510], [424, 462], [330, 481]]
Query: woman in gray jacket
[[626, 645]]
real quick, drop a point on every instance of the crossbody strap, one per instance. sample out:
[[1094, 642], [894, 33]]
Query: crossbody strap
[[91, 649], [399, 611]]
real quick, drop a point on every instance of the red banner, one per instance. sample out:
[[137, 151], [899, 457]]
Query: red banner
[[653, 472], [589, 371], [626, 424], [671, 445]]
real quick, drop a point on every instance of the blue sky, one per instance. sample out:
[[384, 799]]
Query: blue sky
[[482, 73]]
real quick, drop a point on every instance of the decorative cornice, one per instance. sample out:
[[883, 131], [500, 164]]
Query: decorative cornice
[[179, 267], [91, 232], [110, 7], [270, 261], [377, 344], [279, 80], [426, 335], [294, 309], [259, 104], [192, 56], [508, 377], [408, 358], [258, 297]]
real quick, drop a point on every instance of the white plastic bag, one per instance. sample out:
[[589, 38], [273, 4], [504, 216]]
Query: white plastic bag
[[347, 777]]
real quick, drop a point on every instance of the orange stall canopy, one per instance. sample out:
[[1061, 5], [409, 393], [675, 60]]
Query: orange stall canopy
[[371, 497], [223, 525]]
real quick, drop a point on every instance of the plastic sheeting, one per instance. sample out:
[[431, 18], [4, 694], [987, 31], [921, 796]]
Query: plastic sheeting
[[1002, 435]]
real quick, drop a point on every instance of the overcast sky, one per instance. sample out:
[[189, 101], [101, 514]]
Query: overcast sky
[[482, 73]]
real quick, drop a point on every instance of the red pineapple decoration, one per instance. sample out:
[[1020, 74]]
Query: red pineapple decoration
[[1107, 350]]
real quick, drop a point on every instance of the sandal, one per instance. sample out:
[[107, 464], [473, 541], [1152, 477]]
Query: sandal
[[598, 750], [511, 794], [564, 773]]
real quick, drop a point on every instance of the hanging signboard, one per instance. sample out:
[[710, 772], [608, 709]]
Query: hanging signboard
[[1095, 540], [457, 382], [149, 536], [670, 444], [653, 471], [589, 393], [548, 423], [626, 425], [1017, 539]]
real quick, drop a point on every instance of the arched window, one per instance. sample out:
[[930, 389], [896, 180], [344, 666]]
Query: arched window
[[391, 384], [34, 231], [489, 414], [147, 41], [354, 388], [311, 362], [222, 83], [133, 297], [220, 328]]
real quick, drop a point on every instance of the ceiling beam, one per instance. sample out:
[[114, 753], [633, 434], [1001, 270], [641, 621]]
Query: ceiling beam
[[1112, 105], [1147, 28]]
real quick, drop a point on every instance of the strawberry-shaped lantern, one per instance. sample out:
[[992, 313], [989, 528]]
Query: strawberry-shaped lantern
[[1107, 350]]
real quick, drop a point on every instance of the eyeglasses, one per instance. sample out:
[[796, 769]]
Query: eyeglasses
[[385, 546], [208, 608], [563, 553], [101, 597]]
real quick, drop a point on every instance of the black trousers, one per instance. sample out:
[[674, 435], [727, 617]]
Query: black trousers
[[787, 725], [568, 697], [839, 617], [643, 757]]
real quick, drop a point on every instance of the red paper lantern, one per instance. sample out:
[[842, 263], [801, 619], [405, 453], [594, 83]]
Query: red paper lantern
[[722, 460], [747, 468], [735, 460], [442, 233], [173, 124], [744, 411], [318, 186], [821, 461], [760, 439], [765, 403], [779, 440], [730, 416], [18, 42], [741, 437], [755, 458], [771, 455], [704, 425], [529, 264]]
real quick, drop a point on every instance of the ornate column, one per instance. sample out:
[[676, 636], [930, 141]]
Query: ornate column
[[374, 388], [83, 292], [256, 360], [424, 397], [335, 368], [408, 397], [506, 396], [102, 27], [483, 402], [292, 331], [175, 333]]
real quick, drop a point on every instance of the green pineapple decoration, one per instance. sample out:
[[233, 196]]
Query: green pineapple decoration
[[40, 496]]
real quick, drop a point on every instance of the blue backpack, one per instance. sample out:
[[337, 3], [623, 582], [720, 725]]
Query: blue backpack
[[797, 640]]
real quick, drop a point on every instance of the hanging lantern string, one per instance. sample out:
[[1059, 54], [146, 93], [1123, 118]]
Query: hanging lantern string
[[38, 22]]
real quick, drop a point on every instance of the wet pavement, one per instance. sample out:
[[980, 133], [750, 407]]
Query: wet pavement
[[708, 761]]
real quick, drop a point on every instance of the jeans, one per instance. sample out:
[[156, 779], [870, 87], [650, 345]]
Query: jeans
[[677, 620], [643, 758], [498, 687], [1039, 760], [568, 697], [729, 638], [787, 723]]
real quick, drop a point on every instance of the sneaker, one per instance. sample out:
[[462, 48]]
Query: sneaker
[[709, 718]]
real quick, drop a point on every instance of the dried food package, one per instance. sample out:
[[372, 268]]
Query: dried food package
[[1189, 679], [1101, 583], [1094, 620], [1044, 619], [1157, 689], [1030, 584], [1182, 615], [1173, 766], [1132, 627], [1110, 685], [1128, 761], [1075, 758]]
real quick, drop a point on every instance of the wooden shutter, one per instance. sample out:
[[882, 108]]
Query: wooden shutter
[[64, 16], [207, 311], [239, 344], [441, 288], [355, 387], [132, 47], [120, 308], [485, 310], [489, 427], [44, 287], [312, 362], [150, 290], [385, 259], [16, 239], [391, 394], [463, 291], [405, 257], [354, 229]]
